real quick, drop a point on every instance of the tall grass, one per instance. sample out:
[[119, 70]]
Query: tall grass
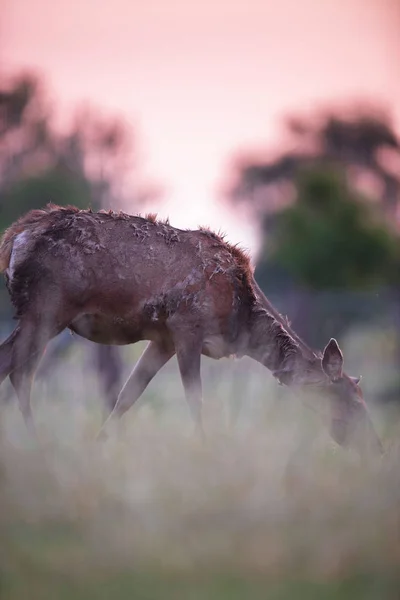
[[269, 506]]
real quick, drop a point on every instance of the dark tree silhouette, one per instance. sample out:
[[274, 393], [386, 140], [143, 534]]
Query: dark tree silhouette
[[361, 143]]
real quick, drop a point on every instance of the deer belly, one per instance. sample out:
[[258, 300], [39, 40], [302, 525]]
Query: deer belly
[[106, 330]]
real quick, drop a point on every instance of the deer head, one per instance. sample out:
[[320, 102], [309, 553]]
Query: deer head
[[350, 424]]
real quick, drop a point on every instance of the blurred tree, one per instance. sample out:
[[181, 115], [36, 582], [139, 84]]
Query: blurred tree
[[362, 144], [331, 238], [87, 165]]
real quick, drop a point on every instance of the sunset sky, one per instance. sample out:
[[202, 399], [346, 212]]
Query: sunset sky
[[199, 81]]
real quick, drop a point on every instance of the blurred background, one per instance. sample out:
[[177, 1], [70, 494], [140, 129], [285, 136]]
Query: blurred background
[[275, 122]]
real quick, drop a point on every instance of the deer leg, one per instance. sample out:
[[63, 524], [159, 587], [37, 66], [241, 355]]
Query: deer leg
[[109, 366], [154, 357], [28, 348], [6, 353], [188, 354], [27, 351], [22, 380]]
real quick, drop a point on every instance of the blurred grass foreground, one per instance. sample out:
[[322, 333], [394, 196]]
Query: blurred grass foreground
[[257, 512]]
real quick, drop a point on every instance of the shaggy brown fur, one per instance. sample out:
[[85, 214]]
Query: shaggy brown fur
[[115, 278]]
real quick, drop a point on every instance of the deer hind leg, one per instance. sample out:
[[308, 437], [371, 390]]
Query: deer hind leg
[[154, 357], [22, 379], [28, 347], [6, 353]]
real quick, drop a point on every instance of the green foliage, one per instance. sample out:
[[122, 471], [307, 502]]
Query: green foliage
[[53, 185], [331, 238]]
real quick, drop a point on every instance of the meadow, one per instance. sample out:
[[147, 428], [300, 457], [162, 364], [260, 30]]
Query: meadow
[[268, 508]]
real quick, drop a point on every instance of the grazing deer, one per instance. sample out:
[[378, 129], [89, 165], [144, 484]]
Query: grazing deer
[[117, 279]]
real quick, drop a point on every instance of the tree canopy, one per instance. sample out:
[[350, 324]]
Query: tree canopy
[[319, 228], [331, 237]]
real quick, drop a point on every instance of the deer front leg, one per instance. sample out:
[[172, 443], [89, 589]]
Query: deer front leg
[[154, 357], [188, 353]]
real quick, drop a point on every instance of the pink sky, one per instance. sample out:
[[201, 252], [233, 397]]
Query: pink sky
[[201, 80]]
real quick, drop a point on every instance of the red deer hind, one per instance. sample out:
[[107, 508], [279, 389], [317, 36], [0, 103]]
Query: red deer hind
[[117, 279]]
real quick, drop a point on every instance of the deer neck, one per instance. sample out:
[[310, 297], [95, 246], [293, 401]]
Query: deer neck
[[274, 347]]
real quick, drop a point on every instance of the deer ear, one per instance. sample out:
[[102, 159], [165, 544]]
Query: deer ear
[[332, 360], [356, 380]]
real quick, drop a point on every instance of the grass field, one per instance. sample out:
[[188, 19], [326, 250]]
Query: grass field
[[268, 508]]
